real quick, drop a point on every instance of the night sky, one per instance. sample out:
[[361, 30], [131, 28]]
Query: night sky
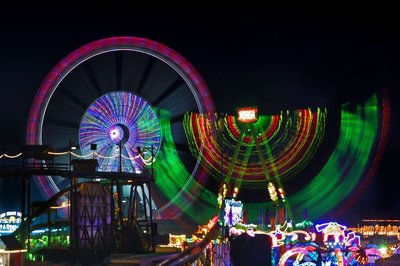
[[276, 59]]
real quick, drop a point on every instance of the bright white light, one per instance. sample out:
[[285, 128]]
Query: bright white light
[[247, 115], [138, 171]]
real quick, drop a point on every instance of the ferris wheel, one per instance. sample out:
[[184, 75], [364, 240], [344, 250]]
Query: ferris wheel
[[123, 95]]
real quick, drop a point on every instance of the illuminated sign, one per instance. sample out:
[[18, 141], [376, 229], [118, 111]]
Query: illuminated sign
[[247, 114], [9, 222], [233, 213]]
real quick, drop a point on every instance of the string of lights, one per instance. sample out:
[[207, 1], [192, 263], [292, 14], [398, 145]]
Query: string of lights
[[147, 161]]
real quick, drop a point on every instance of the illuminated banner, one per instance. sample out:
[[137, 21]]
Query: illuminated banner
[[233, 212], [247, 114], [9, 222]]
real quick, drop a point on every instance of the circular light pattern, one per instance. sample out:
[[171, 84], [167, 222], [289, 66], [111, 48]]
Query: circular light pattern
[[287, 142], [148, 69], [287, 149], [116, 133], [120, 123]]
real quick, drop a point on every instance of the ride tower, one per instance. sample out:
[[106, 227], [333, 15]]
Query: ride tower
[[246, 118]]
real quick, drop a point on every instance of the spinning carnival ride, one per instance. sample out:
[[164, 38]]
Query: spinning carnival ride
[[273, 150], [124, 99], [260, 151]]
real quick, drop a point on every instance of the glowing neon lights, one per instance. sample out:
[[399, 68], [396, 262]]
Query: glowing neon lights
[[233, 213], [200, 98], [116, 133], [272, 192], [293, 139], [9, 221], [247, 114], [119, 120], [332, 229]]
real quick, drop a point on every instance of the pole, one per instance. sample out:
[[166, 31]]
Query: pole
[[70, 159], [152, 227], [120, 225], [70, 154], [23, 207], [74, 231], [221, 127], [28, 188], [120, 156], [112, 229]]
